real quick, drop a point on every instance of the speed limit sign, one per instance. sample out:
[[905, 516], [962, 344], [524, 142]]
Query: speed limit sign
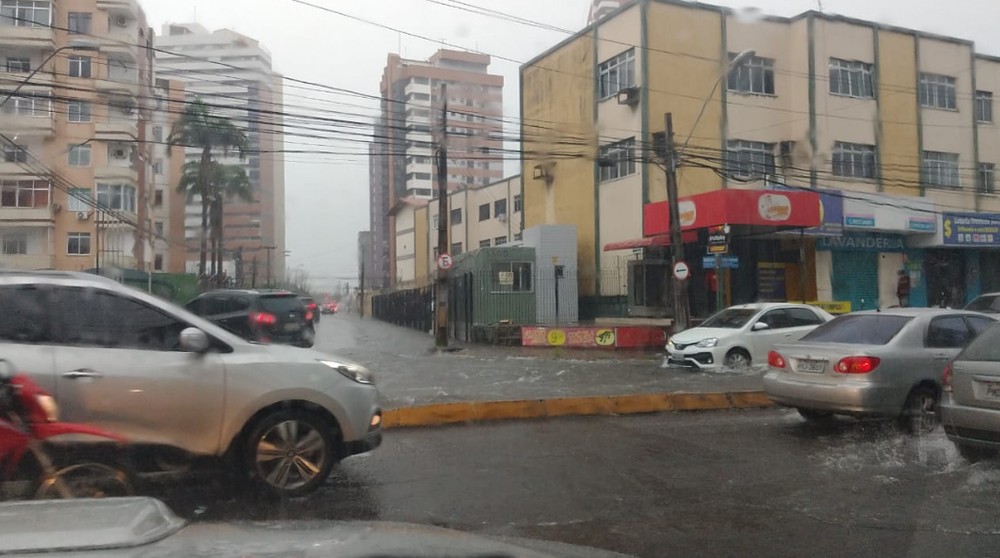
[[445, 261]]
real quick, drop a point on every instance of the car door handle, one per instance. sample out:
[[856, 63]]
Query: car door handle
[[82, 373], [942, 356]]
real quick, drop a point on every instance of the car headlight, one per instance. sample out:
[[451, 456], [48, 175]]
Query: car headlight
[[708, 343], [49, 407], [359, 374]]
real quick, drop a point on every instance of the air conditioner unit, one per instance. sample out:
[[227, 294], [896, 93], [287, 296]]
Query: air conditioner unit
[[502, 217], [56, 208], [82, 215], [127, 109], [628, 96], [119, 153], [121, 21]]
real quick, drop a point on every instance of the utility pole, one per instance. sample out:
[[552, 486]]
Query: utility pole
[[441, 304], [681, 306], [361, 285], [269, 249]]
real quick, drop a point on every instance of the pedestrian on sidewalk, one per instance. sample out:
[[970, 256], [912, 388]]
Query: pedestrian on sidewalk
[[903, 288]]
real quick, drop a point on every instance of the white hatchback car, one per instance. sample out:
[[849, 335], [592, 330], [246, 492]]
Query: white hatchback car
[[741, 336]]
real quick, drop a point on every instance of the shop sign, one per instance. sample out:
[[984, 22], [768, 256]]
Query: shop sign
[[834, 307], [718, 239], [862, 242], [883, 212], [859, 221], [922, 225], [971, 229], [725, 262]]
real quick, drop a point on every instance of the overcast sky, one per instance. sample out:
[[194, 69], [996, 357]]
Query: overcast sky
[[327, 195]]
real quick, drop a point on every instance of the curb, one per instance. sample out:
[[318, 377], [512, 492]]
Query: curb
[[481, 411]]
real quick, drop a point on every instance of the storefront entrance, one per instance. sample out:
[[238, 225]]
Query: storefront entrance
[[945, 271], [855, 278]]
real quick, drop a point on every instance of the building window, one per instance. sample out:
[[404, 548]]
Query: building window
[[158, 198], [418, 176], [15, 244], [500, 241], [941, 169], [484, 212], [511, 276], [116, 197], [456, 249], [158, 134], [79, 23], [853, 160], [78, 244], [617, 73], [456, 216], [517, 203], [749, 160], [78, 111], [25, 13], [32, 194], [518, 237], [158, 167], [15, 154], [851, 78], [984, 106], [985, 177], [18, 65], [484, 243], [80, 199], [158, 227], [158, 262], [79, 156], [756, 76], [37, 107], [500, 207], [616, 160], [437, 223], [937, 91], [79, 66]]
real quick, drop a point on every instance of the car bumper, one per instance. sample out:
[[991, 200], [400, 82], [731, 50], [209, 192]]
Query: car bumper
[[369, 442], [856, 398], [970, 425], [696, 357]]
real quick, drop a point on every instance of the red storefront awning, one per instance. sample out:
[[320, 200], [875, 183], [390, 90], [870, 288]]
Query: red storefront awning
[[646, 242], [765, 208]]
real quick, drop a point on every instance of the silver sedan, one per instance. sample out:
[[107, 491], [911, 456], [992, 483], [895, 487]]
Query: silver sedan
[[875, 363]]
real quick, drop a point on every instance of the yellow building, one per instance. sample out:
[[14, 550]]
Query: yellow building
[[889, 131]]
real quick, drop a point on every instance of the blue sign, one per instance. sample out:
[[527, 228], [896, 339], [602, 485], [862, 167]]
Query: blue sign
[[922, 225], [831, 212], [726, 262], [855, 221], [971, 229], [863, 242]]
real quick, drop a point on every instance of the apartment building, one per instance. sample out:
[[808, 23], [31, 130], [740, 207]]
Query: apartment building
[[232, 73], [602, 8], [402, 152], [76, 81], [167, 208], [839, 151]]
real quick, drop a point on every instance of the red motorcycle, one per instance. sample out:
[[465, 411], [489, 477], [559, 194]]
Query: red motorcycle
[[29, 425]]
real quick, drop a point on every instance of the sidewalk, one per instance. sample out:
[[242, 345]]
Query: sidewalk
[[409, 374]]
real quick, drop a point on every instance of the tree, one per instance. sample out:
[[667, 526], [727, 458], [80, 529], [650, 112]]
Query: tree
[[197, 127], [228, 182]]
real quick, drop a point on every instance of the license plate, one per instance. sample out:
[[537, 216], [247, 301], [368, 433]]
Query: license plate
[[992, 390], [811, 366], [292, 327]]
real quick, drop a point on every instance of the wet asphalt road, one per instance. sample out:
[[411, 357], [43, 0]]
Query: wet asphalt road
[[750, 483]]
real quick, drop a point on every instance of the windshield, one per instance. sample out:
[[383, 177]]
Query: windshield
[[731, 318], [985, 303], [865, 329]]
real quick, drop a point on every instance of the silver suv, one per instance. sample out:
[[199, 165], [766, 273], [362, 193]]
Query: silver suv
[[167, 379]]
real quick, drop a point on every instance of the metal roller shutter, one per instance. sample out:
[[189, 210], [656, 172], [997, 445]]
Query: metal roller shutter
[[855, 278]]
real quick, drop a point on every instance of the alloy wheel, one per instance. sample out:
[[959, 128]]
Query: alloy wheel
[[290, 454]]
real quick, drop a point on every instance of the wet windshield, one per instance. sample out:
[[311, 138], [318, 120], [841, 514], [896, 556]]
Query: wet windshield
[[733, 318]]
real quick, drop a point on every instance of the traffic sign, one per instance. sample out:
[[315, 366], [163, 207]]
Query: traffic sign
[[445, 262], [681, 271], [725, 262]]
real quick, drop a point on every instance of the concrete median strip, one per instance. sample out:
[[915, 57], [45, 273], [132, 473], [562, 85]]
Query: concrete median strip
[[481, 411]]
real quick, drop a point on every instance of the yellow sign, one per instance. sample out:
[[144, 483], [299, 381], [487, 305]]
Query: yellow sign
[[834, 307], [605, 337], [556, 337]]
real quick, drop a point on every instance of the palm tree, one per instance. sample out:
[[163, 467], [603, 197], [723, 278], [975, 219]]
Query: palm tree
[[228, 182], [198, 127]]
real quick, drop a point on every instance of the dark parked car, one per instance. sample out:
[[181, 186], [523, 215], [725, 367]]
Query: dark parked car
[[988, 303], [258, 315], [312, 307]]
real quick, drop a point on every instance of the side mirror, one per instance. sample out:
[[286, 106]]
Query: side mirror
[[194, 340], [760, 326]]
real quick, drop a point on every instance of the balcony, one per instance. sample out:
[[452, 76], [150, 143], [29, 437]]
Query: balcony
[[27, 126], [127, 8], [116, 130], [117, 174], [25, 215], [120, 45], [27, 261], [127, 85], [26, 37]]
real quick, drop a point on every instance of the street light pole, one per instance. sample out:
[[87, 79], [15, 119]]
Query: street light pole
[[441, 290], [72, 45], [682, 304]]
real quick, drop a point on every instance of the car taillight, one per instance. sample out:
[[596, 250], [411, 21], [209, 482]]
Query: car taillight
[[857, 365], [312, 306], [946, 378], [309, 315], [775, 360], [263, 318]]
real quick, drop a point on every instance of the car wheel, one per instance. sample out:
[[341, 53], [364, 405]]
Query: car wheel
[[975, 454], [290, 453], [308, 338], [737, 359], [920, 415]]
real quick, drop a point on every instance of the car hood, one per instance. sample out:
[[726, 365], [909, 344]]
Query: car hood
[[146, 528], [290, 354], [696, 334]]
